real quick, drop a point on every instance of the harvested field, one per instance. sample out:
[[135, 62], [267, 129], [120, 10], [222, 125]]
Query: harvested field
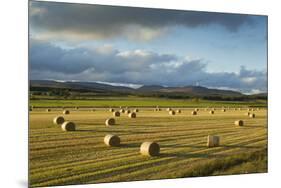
[[64, 158]]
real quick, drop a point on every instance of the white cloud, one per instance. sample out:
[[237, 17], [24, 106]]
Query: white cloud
[[249, 80]]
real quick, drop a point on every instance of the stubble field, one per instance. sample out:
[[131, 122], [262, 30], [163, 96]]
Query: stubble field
[[79, 157]]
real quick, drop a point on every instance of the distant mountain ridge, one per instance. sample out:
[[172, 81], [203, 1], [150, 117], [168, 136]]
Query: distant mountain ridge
[[146, 89]]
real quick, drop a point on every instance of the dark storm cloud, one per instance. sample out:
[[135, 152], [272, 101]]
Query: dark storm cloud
[[96, 21], [138, 67]]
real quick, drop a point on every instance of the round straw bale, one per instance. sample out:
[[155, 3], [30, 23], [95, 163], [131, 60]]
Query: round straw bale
[[212, 112], [111, 110], [68, 126], [213, 141], [223, 110], [159, 109], [77, 108], [112, 140], [121, 110], [172, 112], [66, 112], [247, 113], [168, 109], [128, 111], [116, 114], [110, 121], [193, 113], [132, 115], [239, 123], [58, 120], [252, 115], [48, 110], [196, 109], [136, 110], [150, 149], [156, 109], [179, 111]]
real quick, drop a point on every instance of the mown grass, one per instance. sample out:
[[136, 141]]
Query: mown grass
[[80, 157]]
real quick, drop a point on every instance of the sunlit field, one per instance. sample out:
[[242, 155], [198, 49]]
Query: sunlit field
[[79, 157]]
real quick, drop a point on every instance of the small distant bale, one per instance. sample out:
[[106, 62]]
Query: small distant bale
[[111, 110], [150, 149], [128, 111], [136, 110], [121, 110], [212, 112], [193, 113], [168, 109], [213, 141], [132, 115], [48, 110], [159, 109], [239, 123], [223, 110], [58, 120], [112, 140], [68, 126], [77, 108], [239, 109], [66, 112], [116, 114], [196, 109], [247, 113], [110, 121], [172, 112], [156, 109], [252, 115], [214, 109], [178, 111]]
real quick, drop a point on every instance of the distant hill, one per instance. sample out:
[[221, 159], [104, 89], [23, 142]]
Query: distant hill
[[191, 90], [147, 90], [79, 86]]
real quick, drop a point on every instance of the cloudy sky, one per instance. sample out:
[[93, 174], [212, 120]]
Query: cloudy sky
[[140, 46]]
